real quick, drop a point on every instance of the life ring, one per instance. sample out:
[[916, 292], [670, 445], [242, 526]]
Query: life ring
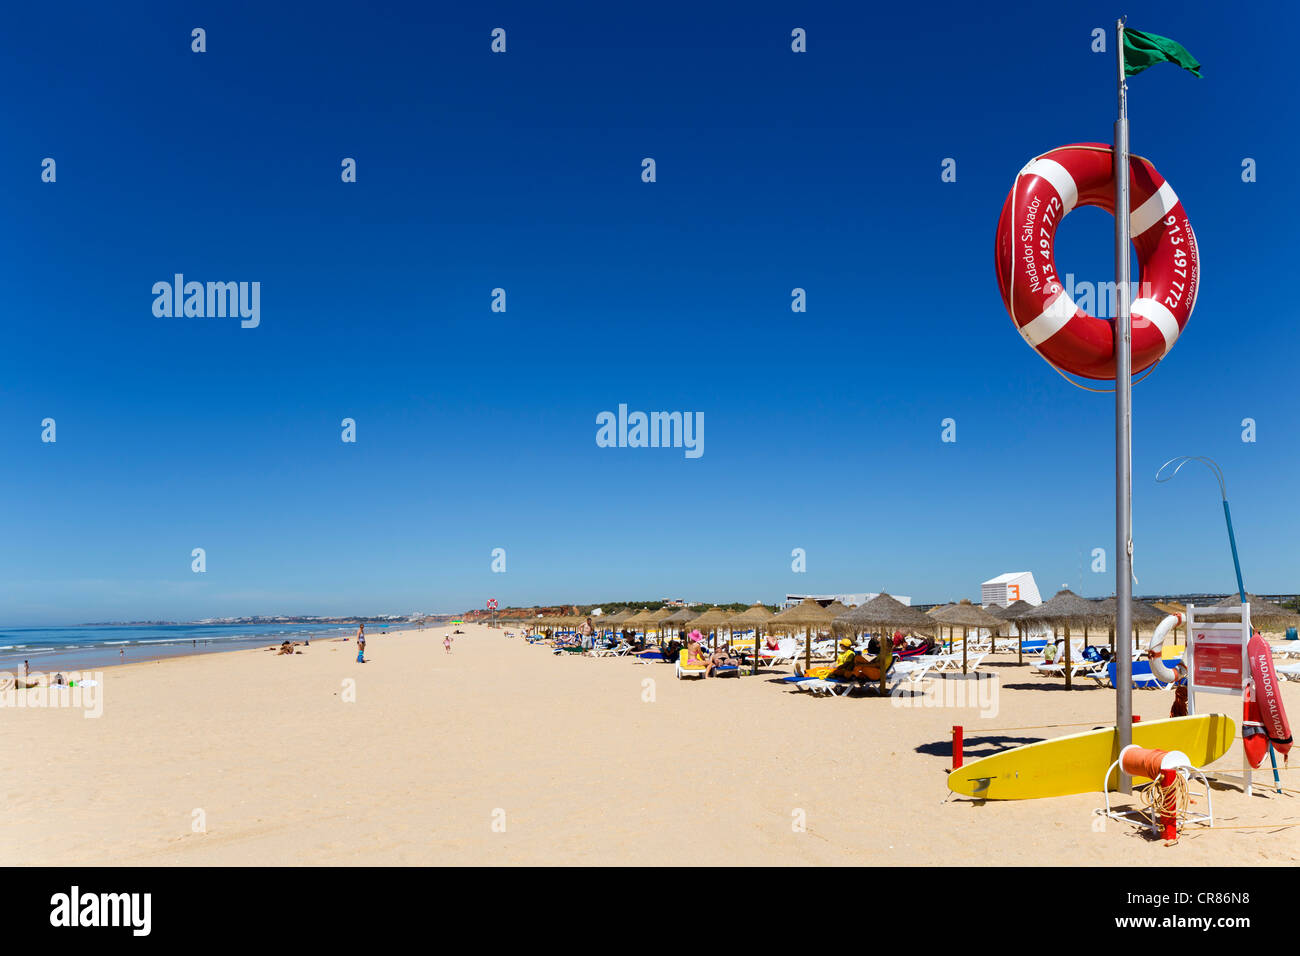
[[1155, 648], [1046, 316]]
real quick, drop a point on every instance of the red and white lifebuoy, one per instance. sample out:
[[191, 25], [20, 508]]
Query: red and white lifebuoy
[[1155, 649], [1169, 269]]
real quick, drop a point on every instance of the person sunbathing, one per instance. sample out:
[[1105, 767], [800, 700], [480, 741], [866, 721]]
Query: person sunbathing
[[722, 657], [695, 654], [851, 665]]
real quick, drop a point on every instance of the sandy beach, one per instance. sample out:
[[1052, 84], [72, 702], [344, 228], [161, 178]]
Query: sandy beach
[[503, 753]]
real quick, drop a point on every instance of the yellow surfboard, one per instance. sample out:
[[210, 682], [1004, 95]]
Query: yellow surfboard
[[1074, 764]]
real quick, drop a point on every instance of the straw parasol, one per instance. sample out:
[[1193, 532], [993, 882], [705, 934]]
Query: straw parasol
[[1141, 612], [638, 620], [710, 620], [755, 616], [656, 618], [809, 614], [1263, 614], [966, 615], [1011, 613], [885, 612], [680, 616], [938, 628], [1065, 608], [611, 621]]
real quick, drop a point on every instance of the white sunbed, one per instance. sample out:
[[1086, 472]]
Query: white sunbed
[[1078, 667], [1288, 671], [841, 688]]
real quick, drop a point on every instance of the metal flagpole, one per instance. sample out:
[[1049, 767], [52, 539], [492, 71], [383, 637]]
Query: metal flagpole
[[1123, 429]]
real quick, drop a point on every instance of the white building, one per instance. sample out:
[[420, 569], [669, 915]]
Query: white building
[[1009, 588], [849, 600]]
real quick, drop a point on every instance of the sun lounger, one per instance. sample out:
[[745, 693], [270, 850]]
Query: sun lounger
[[787, 651], [1288, 671], [1142, 676], [1077, 667], [841, 688], [688, 670], [912, 671]]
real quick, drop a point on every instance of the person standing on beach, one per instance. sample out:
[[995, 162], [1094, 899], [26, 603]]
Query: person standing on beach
[[361, 645], [446, 643]]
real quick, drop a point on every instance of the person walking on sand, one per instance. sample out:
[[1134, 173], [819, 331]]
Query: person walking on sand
[[446, 643], [361, 645]]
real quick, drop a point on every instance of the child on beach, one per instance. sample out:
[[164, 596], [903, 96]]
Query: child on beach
[[446, 643]]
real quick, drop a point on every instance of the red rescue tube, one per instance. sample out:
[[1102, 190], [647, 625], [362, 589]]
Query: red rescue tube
[[1268, 696], [1024, 255]]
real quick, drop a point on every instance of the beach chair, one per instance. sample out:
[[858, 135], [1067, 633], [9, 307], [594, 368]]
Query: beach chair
[[913, 671], [1078, 668], [787, 651], [941, 662], [688, 670], [1288, 671], [614, 650], [1143, 679]]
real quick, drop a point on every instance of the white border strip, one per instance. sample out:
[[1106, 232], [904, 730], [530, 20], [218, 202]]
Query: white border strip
[[1153, 210], [1155, 312], [1059, 177], [1051, 320]]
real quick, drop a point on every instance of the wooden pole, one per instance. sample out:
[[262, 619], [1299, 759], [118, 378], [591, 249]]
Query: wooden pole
[[1068, 681], [964, 642]]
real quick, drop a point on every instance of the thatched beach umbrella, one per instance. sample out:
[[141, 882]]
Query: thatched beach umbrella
[[1011, 614], [885, 612], [710, 621], [611, 622], [1140, 613], [966, 615], [756, 616], [1065, 608], [638, 620], [1264, 615], [679, 617], [809, 614], [938, 624], [656, 619]]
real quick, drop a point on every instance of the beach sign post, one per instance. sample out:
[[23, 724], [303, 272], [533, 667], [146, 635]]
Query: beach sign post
[[1213, 465], [1218, 663], [492, 606]]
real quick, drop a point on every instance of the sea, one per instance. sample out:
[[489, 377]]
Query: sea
[[87, 646]]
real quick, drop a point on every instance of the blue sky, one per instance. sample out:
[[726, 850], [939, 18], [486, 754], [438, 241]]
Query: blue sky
[[476, 429]]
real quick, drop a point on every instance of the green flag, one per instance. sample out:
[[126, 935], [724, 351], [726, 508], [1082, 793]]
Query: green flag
[[1141, 50]]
